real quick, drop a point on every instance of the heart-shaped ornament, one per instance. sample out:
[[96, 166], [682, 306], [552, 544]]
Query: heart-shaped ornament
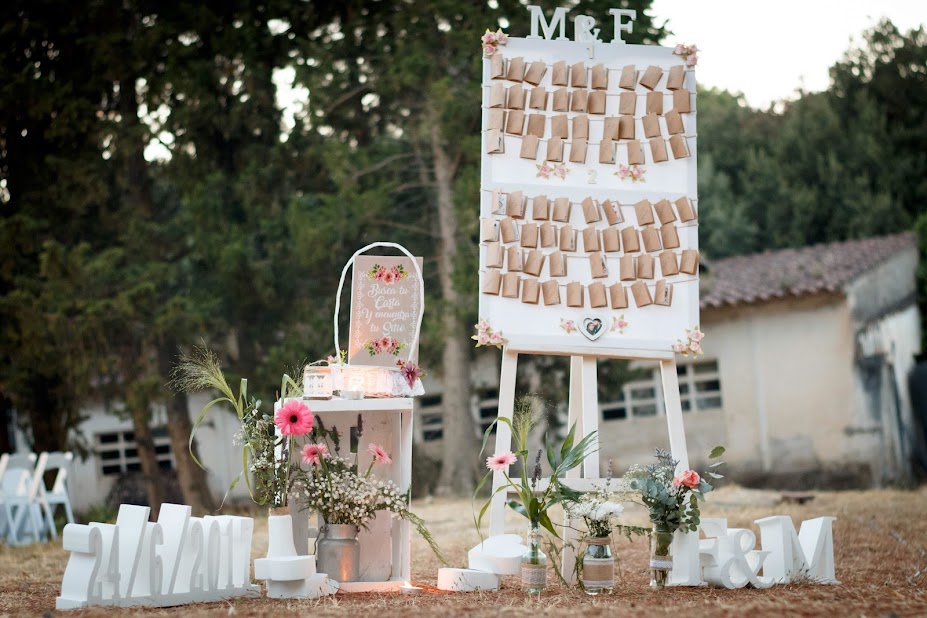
[[593, 328]]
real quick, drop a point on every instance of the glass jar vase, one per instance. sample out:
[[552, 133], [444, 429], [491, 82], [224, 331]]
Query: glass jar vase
[[598, 566], [534, 563], [661, 555]]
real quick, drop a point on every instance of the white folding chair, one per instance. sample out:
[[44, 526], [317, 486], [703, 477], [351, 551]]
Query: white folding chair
[[14, 468], [23, 507], [50, 499]]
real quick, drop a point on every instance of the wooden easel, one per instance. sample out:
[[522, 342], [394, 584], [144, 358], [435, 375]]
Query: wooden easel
[[584, 412]]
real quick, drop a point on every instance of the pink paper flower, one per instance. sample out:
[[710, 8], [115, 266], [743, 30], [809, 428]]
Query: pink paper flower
[[568, 325], [495, 339], [692, 49], [489, 38], [696, 334], [637, 172], [379, 453], [501, 37], [482, 325], [679, 347], [544, 170], [680, 49], [689, 478], [410, 371], [692, 60], [313, 453], [294, 419], [489, 50], [695, 346], [561, 171], [498, 463]]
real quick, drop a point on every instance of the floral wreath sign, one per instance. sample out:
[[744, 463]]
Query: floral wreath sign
[[384, 309]]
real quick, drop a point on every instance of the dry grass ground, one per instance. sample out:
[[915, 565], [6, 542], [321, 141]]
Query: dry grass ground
[[880, 551]]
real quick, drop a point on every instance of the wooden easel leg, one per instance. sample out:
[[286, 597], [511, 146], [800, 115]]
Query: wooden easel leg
[[503, 438], [590, 415], [578, 377]]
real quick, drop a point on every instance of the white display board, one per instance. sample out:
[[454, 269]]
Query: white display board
[[538, 327]]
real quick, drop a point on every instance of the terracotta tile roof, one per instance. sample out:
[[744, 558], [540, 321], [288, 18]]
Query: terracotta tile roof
[[794, 272]]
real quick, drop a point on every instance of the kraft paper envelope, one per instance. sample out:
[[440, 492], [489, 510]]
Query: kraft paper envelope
[[689, 262], [559, 126], [529, 291], [489, 230], [555, 150], [610, 128], [668, 264], [670, 236], [496, 66], [561, 100], [515, 205], [567, 238], [574, 294], [562, 209], [495, 144], [591, 240], [510, 285], [515, 125], [627, 103], [551, 291], [651, 76], [597, 297], [494, 255], [651, 123], [509, 230], [618, 295], [651, 239], [591, 210], [499, 202], [635, 154], [596, 104], [558, 76], [497, 95], [641, 294], [548, 235], [535, 73], [686, 211], [658, 150], [540, 208], [515, 97], [645, 266], [578, 75], [597, 266], [630, 241], [538, 98], [578, 150], [495, 119], [663, 295], [682, 102], [676, 78], [599, 77], [655, 103], [626, 127], [644, 212], [612, 212], [611, 240], [579, 102], [674, 125], [628, 80], [557, 264], [492, 280], [534, 263], [514, 259], [516, 70], [664, 211], [581, 127], [529, 235], [536, 124], [529, 147], [627, 268], [607, 151], [679, 147]]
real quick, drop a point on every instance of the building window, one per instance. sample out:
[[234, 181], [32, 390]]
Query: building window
[[699, 389], [117, 451], [429, 407], [699, 386]]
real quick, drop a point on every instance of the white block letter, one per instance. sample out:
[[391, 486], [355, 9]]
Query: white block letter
[[538, 20], [621, 27]]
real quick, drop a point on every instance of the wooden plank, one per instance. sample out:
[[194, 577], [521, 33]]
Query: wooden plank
[[503, 437]]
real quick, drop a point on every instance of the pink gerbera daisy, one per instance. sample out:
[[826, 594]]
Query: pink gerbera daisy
[[379, 453], [313, 453], [498, 463], [294, 419]]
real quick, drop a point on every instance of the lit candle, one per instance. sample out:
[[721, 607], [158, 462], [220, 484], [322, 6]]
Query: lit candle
[[408, 588]]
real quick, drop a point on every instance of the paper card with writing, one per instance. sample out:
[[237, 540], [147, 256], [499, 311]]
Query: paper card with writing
[[496, 119], [599, 77], [557, 265], [515, 97], [651, 123], [499, 202], [635, 154], [516, 70], [514, 258], [596, 103], [598, 266], [534, 263], [610, 127], [536, 124], [492, 282], [581, 127], [689, 262], [651, 76], [516, 122], [540, 208], [674, 124], [515, 205], [530, 289], [651, 239], [562, 209], [607, 151], [489, 230], [509, 230], [644, 212], [628, 79], [626, 127], [567, 238], [548, 235], [679, 147], [611, 240], [612, 212], [658, 150], [558, 76], [676, 78], [664, 211], [663, 294], [641, 294], [529, 147], [670, 236], [551, 290], [591, 210], [561, 100], [560, 126], [591, 240], [627, 103], [682, 101], [578, 149], [385, 307], [529, 235], [627, 268], [555, 150], [629, 240], [618, 296], [494, 255], [510, 287], [497, 95], [645, 266], [668, 264], [578, 75], [496, 66], [494, 142], [575, 294], [538, 98], [655, 103], [535, 73], [685, 209], [579, 101], [597, 295]]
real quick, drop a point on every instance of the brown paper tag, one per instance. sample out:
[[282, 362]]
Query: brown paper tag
[[540, 208], [516, 70], [630, 241], [644, 212], [610, 127], [612, 212], [489, 230], [641, 294], [557, 264], [674, 125], [581, 127], [670, 236], [628, 80], [558, 76], [655, 103], [538, 98], [627, 103], [578, 75], [627, 268], [508, 230], [579, 102], [514, 258], [516, 122], [578, 150], [591, 240], [561, 100], [686, 211], [597, 266], [536, 124], [515, 97], [494, 255], [651, 124], [551, 290], [663, 294], [635, 154], [499, 202], [597, 297], [497, 95], [682, 101], [535, 73], [676, 78], [658, 150], [555, 150], [510, 287], [665, 211], [596, 102], [495, 119], [599, 77], [515, 205], [618, 295], [611, 240], [492, 281], [496, 66], [607, 151], [679, 147], [529, 291], [651, 76], [529, 147], [645, 266], [591, 210], [548, 235], [626, 127], [529, 235], [567, 238], [562, 209], [495, 144], [534, 263], [651, 239], [689, 262], [559, 126], [574, 294], [668, 265]]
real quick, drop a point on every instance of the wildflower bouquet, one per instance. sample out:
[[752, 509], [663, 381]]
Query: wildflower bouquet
[[601, 510]]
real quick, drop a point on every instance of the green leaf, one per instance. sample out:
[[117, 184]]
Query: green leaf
[[199, 419], [716, 452], [516, 506], [715, 476], [568, 442], [544, 520]]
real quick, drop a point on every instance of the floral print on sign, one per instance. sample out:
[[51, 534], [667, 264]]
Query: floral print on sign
[[387, 275], [384, 345]]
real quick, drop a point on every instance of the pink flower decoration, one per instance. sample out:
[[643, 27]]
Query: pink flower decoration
[[379, 453], [692, 49], [498, 463], [680, 49], [689, 478], [489, 38], [695, 346], [313, 453], [385, 343], [637, 172], [696, 335], [410, 371], [495, 339], [294, 419], [692, 60], [389, 277], [561, 171], [489, 50], [482, 325], [501, 37], [679, 348]]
